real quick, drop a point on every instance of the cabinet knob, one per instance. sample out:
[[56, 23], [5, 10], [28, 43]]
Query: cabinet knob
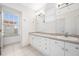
[[66, 49], [45, 47], [76, 48], [62, 48], [45, 43], [39, 45], [39, 41], [32, 37], [56, 42]]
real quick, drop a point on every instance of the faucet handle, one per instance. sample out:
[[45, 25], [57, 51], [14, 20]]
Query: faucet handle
[[66, 34]]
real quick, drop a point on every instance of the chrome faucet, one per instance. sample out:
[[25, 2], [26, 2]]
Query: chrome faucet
[[66, 34]]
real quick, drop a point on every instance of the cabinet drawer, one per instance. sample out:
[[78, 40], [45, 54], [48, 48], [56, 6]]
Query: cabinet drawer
[[59, 43], [71, 49]]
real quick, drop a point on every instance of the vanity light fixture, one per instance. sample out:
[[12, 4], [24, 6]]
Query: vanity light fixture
[[62, 5]]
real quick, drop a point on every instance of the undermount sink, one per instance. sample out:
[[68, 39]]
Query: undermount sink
[[72, 38], [68, 38]]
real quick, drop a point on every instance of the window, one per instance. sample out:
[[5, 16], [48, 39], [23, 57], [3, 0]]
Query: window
[[11, 24]]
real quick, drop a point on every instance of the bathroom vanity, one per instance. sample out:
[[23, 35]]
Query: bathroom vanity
[[63, 24], [54, 45]]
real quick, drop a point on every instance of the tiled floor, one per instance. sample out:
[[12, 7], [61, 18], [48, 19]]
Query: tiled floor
[[17, 50]]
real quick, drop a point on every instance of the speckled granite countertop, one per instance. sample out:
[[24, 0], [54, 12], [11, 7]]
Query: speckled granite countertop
[[57, 37]]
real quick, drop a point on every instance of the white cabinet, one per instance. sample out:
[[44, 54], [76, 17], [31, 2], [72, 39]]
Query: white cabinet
[[59, 45], [45, 46], [56, 48], [71, 49], [48, 46], [41, 44], [52, 47], [34, 41]]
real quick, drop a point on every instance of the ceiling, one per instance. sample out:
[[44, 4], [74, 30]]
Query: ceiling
[[34, 6]]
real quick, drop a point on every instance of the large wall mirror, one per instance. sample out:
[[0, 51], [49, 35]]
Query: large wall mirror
[[72, 25], [40, 21], [64, 20]]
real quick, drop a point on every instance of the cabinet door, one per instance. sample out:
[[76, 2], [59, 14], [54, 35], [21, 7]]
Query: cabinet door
[[57, 48], [41, 44], [71, 49], [33, 41], [45, 46], [38, 43], [52, 47]]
